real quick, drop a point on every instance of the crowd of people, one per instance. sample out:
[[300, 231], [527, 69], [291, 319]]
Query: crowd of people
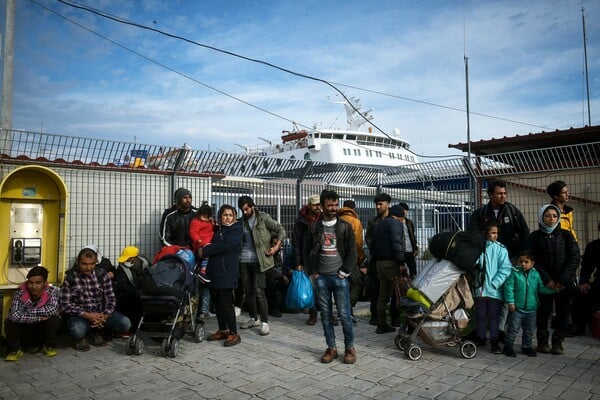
[[521, 279]]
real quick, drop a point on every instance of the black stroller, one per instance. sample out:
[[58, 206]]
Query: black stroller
[[168, 307], [435, 311]]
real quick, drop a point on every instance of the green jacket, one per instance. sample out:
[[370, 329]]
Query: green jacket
[[522, 289], [264, 227]]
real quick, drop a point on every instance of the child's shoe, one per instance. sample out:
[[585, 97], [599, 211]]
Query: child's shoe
[[201, 274], [509, 351]]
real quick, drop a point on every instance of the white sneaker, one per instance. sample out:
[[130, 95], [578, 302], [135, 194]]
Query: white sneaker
[[264, 329], [238, 311], [251, 323]]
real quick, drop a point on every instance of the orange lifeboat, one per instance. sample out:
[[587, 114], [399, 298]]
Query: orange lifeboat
[[289, 136]]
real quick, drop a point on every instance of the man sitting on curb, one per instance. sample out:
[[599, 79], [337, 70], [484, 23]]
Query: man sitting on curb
[[88, 302], [33, 318]]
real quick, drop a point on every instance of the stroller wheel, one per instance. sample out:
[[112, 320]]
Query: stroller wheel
[[138, 346], [401, 343], [413, 352], [468, 349], [199, 333], [174, 349], [129, 346], [164, 347]]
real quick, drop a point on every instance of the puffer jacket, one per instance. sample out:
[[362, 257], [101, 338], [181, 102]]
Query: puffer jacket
[[345, 244], [488, 282], [556, 255], [522, 289]]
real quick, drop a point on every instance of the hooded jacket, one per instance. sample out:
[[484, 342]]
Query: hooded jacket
[[488, 281], [556, 253]]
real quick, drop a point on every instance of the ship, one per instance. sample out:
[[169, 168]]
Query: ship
[[353, 145]]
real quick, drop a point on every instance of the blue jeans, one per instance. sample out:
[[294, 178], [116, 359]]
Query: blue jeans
[[326, 286], [517, 320], [78, 327]]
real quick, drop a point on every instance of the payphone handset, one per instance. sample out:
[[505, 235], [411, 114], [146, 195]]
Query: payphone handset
[[26, 250]]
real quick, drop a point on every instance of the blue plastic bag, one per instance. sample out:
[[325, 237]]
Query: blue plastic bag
[[300, 292]]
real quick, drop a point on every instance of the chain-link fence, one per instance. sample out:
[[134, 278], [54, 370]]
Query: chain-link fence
[[118, 190]]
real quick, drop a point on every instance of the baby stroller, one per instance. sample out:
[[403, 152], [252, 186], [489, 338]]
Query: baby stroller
[[434, 310], [168, 309]]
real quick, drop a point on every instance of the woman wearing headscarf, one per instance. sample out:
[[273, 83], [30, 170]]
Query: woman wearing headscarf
[[556, 259]]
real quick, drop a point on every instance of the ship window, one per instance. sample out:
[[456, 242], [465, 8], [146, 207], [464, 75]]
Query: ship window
[[350, 137], [378, 154], [337, 136], [356, 152], [316, 135], [307, 156], [326, 135], [367, 138], [392, 156]]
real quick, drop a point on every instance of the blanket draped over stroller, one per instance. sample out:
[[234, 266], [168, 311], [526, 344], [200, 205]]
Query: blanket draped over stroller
[[435, 309]]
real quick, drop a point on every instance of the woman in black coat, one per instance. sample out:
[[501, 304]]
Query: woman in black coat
[[556, 259], [223, 270]]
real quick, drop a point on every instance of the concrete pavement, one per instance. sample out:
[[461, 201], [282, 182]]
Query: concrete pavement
[[285, 365]]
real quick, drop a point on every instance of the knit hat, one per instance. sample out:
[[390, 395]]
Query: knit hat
[[397, 211], [128, 252], [180, 194]]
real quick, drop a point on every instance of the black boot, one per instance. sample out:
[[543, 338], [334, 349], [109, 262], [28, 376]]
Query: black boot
[[509, 350], [542, 339], [495, 347], [557, 343]]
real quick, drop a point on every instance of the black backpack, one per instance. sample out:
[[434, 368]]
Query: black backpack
[[463, 248]]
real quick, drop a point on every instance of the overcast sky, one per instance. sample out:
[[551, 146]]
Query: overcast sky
[[403, 59]]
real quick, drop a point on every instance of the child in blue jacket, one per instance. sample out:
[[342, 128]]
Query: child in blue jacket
[[494, 268], [521, 291]]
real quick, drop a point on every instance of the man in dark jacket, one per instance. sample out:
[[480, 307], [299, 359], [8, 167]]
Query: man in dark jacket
[[388, 253], [512, 228], [306, 218], [177, 222], [330, 256], [382, 205]]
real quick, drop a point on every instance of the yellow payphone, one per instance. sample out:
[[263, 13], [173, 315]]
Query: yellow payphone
[[33, 210]]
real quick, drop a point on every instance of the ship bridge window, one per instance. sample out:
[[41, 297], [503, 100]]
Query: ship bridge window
[[338, 136], [350, 137], [316, 135], [326, 135]]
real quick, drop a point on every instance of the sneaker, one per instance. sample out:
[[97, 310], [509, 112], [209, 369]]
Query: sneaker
[[206, 315], [350, 356], [238, 311], [251, 323], [126, 335], [14, 355], [49, 351], [264, 329], [312, 319], [232, 340], [384, 329], [218, 335], [529, 352], [98, 340], [329, 356], [82, 345]]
